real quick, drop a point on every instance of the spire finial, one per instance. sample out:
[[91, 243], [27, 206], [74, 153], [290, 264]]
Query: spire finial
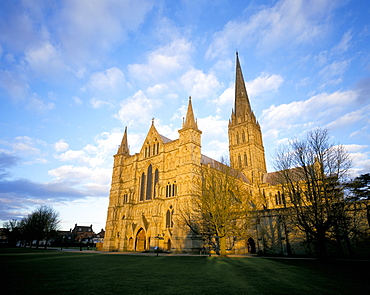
[[153, 121]]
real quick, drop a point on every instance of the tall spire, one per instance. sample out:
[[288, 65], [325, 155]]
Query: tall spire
[[242, 105], [189, 120], [123, 148]]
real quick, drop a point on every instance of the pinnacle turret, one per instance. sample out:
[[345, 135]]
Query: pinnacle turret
[[189, 120], [123, 148]]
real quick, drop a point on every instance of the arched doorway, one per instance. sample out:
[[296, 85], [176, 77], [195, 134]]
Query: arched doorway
[[140, 240], [169, 245], [130, 244], [251, 245]]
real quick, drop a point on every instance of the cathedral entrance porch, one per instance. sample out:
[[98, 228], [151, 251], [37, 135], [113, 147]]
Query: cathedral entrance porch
[[140, 243]]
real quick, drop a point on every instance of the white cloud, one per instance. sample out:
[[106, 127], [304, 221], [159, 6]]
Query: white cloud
[[170, 131], [157, 89], [227, 97], [264, 83], [333, 73], [100, 176], [71, 156], [352, 148], [77, 100], [35, 103], [343, 44], [288, 22], [200, 85], [163, 62], [136, 109], [216, 149], [90, 27], [360, 159], [61, 146], [45, 60], [26, 145], [99, 103], [70, 172], [109, 80], [349, 118], [15, 84], [213, 127], [313, 111]]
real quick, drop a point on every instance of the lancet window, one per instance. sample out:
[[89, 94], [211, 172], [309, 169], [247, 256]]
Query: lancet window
[[125, 198], [279, 198], [149, 183], [169, 217], [156, 148], [142, 186], [156, 179], [171, 189]]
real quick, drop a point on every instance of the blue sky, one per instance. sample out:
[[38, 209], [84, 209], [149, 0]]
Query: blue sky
[[73, 74]]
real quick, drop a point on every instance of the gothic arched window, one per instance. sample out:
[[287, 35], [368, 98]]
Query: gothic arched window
[[245, 160], [169, 218], [149, 183], [142, 187], [156, 179]]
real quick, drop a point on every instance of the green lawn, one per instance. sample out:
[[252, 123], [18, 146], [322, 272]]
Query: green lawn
[[54, 272]]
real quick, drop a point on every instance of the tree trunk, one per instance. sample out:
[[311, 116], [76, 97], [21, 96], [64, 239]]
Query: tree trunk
[[321, 251], [223, 245]]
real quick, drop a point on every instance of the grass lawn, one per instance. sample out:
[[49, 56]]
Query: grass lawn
[[32, 271]]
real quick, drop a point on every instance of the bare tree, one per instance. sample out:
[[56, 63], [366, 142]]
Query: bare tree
[[312, 172], [219, 207], [41, 224], [12, 231]]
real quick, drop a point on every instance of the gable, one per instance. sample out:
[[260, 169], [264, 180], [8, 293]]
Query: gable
[[153, 142]]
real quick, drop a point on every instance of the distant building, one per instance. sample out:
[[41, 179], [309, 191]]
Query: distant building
[[82, 234]]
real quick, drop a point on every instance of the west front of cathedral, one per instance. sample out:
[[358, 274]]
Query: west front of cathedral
[[150, 188]]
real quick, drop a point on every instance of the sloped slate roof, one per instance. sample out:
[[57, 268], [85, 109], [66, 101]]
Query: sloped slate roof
[[219, 166], [165, 139]]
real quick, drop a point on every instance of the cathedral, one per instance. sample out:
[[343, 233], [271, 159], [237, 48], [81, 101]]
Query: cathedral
[[149, 187]]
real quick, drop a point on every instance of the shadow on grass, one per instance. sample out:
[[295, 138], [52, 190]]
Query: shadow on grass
[[42, 272]]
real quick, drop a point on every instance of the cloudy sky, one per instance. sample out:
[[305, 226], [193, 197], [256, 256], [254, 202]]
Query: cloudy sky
[[73, 74]]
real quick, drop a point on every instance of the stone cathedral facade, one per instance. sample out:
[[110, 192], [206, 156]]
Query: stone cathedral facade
[[149, 188]]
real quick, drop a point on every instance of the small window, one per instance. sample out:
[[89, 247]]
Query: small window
[[169, 218]]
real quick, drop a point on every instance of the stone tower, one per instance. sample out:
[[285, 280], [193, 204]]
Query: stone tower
[[190, 139], [246, 149]]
